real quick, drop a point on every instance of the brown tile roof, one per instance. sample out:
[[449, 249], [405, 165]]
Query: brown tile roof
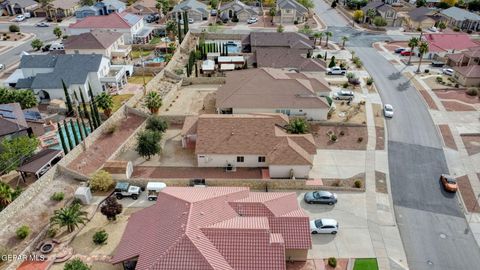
[[252, 134], [96, 39], [287, 58], [143, 6], [456, 57], [468, 71], [65, 4], [271, 88], [273, 39], [213, 228]]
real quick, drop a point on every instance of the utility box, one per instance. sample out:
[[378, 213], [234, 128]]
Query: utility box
[[84, 195]]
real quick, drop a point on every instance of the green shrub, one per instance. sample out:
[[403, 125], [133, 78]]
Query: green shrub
[[100, 237], [22, 232], [333, 137], [101, 181], [341, 133], [357, 183], [369, 81], [419, 29], [332, 262], [345, 85], [14, 28], [456, 29], [439, 79], [76, 264], [57, 196], [472, 92], [360, 139]]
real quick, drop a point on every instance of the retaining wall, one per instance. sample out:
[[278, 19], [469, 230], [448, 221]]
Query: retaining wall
[[204, 80]]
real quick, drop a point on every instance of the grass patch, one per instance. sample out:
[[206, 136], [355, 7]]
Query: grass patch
[[139, 79], [365, 264], [138, 54], [118, 100], [155, 40]]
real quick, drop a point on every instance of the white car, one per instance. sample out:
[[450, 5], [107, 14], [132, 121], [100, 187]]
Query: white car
[[324, 225], [252, 20], [20, 18], [432, 29], [42, 24], [190, 21], [336, 71], [448, 71], [2, 67], [388, 110]]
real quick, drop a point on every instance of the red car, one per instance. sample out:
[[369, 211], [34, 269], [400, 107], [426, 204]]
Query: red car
[[406, 53]]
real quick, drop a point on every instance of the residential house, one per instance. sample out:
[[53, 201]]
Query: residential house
[[469, 57], [58, 9], [283, 50], [267, 90], [15, 7], [143, 7], [216, 228], [441, 44], [104, 7], [239, 9], [130, 25], [290, 11], [384, 10], [196, 10], [12, 122], [422, 17], [107, 43], [249, 140], [467, 75], [460, 18], [44, 74]]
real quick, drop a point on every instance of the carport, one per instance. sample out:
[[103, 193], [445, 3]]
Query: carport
[[40, 163]]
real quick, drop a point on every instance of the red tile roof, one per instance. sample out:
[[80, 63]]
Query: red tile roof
[[215, 228], [112, 21], [442, 42]]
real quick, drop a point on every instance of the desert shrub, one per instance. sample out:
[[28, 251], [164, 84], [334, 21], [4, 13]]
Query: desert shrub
[[156, 123], [57, 196], [342, 133], [110, 129], [357, 184], [360, 139], [419, 29], [332, 262], [101, 181], [439, 79], [22, 232], [76, 264], [295, 22], [333, 137], [100, 237], [369, 81], [345, 85], [456, 29], [337, 183], [52, 232], [472, 92]]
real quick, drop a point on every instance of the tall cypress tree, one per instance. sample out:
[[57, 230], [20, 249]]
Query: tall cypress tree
[[87, 115], [67, 100], [85, 131], [94, 117], [69, 139], [62, 139], [186, 26], [80, 131], [179, 31], [95, 109], [76, 137]]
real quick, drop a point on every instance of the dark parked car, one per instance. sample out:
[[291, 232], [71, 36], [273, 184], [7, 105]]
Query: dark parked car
[[438, 64], [323, 197], [399, 50]]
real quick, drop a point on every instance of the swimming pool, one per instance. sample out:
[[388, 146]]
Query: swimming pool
[[233, 48], [158, 59]]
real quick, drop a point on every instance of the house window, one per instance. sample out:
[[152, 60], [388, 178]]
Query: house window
[[261, 159], [240, 159], [284, 111]]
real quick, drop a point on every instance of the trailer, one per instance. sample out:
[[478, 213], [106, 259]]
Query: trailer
[[153, 188]]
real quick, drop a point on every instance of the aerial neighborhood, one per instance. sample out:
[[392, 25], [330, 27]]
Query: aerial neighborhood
[[239, 134]]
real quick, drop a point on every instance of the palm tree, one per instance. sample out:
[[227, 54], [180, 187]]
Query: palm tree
[[328, 34], [105, 102], [317, 35], [6, 195], [70, 217], [422, 49], [412, 43], [344, 39], [153, 101]]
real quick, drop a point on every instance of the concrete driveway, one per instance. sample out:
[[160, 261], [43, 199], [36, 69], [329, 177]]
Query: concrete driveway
[[337, 164], [353, 239]]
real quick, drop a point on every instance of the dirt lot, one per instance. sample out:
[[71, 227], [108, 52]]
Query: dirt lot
[[192, 99], [472, 143], [457, 94], [349, 139], [352, 114], [349, 182], [434, 85]]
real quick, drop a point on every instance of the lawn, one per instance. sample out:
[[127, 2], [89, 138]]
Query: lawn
[[365, 264], [155, 40], [139, 79], [138, 54], [118, 100]]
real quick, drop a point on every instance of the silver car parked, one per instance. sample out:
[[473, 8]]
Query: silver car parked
[[323, 197]]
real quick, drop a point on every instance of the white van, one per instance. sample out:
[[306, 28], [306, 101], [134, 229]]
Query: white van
[[57, 47]]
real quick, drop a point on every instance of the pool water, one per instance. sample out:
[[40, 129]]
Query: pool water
[[159, 59], [233, 48], [75, 126]]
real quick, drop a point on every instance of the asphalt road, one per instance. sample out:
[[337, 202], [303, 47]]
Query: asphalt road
[[431, 224], [13, 56]]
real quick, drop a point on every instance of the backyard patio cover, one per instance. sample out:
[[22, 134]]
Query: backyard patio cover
[[37, 162]]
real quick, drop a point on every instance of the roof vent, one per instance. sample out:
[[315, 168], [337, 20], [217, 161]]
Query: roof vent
[[233, 133], [202, 213]]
